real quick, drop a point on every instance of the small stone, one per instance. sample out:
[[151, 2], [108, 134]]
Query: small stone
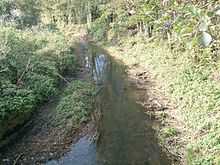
[[5, 160]]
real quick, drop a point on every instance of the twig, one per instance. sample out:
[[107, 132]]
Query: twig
[[16, 160], [3, 70], [98, 91], [23, 73], [63, 78]]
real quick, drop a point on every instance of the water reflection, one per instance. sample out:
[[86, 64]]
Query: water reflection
[[100, 65]]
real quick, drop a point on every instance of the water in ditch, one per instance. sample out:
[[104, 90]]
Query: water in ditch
[[126, 136]]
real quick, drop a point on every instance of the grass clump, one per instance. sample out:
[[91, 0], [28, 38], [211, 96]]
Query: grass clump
[[77, 103]]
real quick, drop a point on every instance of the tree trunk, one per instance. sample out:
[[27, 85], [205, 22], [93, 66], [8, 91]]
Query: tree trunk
[[89, 15]]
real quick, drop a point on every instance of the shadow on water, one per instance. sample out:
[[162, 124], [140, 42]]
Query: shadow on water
[[126, 133]]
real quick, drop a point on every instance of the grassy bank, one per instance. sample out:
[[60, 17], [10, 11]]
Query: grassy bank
[[192, 86]]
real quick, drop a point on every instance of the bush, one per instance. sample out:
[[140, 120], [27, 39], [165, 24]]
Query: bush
[[14, 100], [77, 102], [57, 49], [42, 86], [43, 66]]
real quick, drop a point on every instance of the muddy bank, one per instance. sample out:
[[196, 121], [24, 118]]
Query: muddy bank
[[171, 129]]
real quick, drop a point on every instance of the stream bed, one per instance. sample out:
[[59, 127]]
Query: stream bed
[[126, 136]]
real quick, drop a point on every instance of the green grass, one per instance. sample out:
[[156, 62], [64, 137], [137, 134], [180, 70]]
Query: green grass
[[190, 86], [169, 132]]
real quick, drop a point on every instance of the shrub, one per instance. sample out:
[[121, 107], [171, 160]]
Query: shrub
[[14, 100], [42, 66], [77, 102], [42, 86]]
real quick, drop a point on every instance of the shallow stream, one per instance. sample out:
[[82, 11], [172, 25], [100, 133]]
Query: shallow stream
[[126, 136]]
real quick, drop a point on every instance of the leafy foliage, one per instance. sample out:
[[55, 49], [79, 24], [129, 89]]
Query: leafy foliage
[[15, 100], [42, 86], [31, 65], [5, 6], [186, 25], [30, 12], [77, 103]]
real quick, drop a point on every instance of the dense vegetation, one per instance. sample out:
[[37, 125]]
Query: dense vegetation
[[31, 65], [178, 39], [32, 61]]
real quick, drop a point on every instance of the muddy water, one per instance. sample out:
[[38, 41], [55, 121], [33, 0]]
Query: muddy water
[[126, 136]]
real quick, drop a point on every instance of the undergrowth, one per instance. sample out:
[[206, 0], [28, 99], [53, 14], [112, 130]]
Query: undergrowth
[[76, 104], [31, 64]]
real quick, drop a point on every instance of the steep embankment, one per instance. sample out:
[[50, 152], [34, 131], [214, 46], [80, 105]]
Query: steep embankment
[[185, 94]]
